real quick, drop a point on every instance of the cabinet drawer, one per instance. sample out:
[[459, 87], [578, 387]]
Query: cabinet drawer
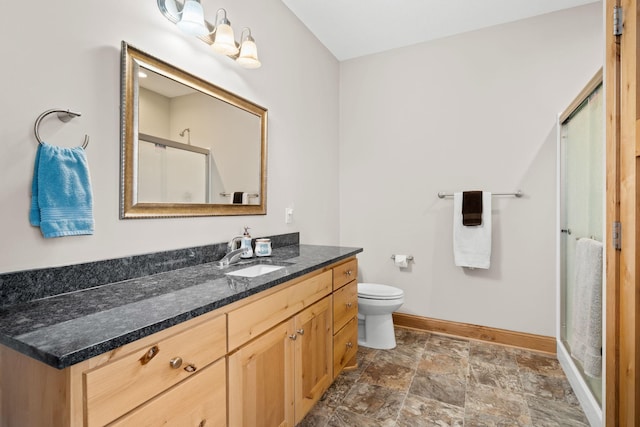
[[344, 273], [249, 321], [197, 401], [345, 304], [116, 388], [345, 346]]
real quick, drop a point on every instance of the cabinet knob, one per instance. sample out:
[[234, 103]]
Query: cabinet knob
[[348, 273], [349, 305], [293, 337], [300, 331], [190, 368], [176, 362], [349, 344]]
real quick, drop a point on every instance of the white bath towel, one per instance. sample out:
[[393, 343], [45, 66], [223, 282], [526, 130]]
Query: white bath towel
[[586, 336], [472, 244]]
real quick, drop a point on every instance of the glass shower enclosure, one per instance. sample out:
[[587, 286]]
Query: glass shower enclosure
[[581, 195]]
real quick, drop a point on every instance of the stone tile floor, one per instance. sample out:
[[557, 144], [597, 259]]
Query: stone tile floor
[[437, 380]]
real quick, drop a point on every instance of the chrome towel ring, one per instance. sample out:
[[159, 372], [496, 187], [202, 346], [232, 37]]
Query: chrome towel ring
[[64, 116]]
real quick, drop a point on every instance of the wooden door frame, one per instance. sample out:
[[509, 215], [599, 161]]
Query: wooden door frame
[[622, 353]]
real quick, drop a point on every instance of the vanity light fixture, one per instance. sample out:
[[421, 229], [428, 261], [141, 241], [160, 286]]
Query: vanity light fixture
[[188, 15]]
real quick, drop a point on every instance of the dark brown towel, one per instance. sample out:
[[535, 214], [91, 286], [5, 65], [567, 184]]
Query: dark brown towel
[[237, 197], [472, 208]]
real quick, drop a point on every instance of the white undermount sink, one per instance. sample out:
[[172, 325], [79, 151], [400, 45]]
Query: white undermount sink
[[255, 270]]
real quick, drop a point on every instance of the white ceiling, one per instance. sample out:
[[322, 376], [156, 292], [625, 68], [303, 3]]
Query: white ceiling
[[352, 28]]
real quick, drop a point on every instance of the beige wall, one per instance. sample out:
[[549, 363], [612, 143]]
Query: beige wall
[[68, 56], [358, 149], [473, 111]]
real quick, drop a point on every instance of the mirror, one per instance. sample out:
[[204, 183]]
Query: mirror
[[189, 148]]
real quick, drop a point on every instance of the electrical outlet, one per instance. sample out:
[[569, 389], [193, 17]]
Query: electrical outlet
[[288, 215]]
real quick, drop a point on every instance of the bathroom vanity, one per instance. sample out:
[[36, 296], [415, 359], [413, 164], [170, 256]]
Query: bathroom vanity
[[188, 347]]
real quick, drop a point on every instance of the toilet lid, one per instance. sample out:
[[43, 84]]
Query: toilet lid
[[376, 291]]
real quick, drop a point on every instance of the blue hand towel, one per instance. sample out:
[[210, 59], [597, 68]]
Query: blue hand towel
[[61, 197]]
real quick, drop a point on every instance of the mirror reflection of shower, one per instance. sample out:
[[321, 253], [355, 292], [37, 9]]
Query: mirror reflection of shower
[[188, 131]]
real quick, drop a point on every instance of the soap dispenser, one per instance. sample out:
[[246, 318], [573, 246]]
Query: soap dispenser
[[246, 244]]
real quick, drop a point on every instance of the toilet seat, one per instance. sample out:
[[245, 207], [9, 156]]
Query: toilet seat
[[379, 292]]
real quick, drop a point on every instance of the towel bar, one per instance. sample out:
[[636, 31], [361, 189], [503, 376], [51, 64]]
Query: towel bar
[[248, 195], [518, 193], [64, 116], [588, 237]]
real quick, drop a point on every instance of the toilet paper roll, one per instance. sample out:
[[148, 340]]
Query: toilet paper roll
[[401, 261]]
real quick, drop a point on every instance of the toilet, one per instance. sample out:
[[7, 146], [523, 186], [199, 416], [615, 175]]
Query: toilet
[[375, 324]]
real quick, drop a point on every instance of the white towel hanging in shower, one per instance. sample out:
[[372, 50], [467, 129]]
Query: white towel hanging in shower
[[586, 331]]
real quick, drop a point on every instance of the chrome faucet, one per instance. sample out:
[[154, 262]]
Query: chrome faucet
[[233, 253], [230, 258]]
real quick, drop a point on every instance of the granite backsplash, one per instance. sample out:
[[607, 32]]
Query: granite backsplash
[[23, 286]]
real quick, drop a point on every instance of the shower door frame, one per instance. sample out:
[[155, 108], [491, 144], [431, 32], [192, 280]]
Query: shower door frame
[[592, 409], [622, 72]]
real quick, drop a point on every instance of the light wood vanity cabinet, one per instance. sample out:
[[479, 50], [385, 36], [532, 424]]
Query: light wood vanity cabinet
[[261, 361], [277, 377], [176, 377]]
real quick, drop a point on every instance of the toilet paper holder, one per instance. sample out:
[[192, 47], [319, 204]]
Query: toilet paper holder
[[409, 257]]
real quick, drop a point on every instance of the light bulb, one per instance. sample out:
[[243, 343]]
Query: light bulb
[[249, 54], [192, 20], [224, 40]]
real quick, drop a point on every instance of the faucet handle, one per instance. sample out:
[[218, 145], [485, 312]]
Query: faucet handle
[[234, 243]]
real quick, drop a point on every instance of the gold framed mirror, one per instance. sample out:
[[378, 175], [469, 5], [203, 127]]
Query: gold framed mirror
[[188, 147]]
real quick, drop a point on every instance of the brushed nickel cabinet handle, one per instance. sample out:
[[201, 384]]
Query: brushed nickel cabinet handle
[[176, 362], [190, 368], [150, 354], [293, 337], [300, 331], [348, 273], [349, 344], [349, 305]]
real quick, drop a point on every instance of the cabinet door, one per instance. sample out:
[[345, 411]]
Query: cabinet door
[[313, 363], [261, 380]]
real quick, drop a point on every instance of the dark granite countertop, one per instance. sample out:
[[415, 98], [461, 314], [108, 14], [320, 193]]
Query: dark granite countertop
[[66, 329]]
